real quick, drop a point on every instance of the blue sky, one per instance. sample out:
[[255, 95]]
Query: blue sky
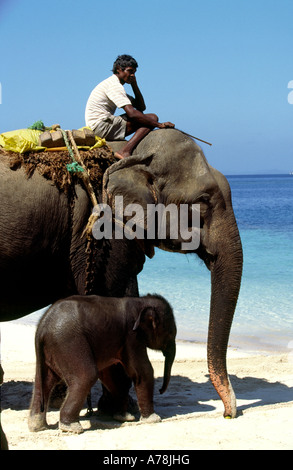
[[218, 69]]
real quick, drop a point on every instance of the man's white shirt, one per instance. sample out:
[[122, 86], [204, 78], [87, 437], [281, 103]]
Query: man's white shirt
[[103, 101]]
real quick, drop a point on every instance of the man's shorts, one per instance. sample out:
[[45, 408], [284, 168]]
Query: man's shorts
[[113, 128]]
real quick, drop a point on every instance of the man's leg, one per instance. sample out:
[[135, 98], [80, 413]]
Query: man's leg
[[139, 134]]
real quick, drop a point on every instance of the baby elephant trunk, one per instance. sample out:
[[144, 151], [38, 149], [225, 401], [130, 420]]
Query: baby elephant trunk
[[169, 354]]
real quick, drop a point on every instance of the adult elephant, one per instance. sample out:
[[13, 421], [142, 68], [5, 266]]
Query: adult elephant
[[43, 255]]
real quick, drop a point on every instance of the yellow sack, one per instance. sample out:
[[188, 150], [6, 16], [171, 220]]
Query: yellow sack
[[99, 143], [25, 140], [21, 140]]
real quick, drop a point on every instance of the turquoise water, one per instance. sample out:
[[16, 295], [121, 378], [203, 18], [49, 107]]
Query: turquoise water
[[263, 319]]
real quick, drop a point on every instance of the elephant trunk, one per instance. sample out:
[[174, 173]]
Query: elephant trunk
[[226, 272], [169, 354]]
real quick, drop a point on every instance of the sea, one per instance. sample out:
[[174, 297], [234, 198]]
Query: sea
[[263, 320]]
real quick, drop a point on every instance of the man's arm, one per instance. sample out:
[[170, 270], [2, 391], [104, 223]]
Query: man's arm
[[139, 101], [143, 119]]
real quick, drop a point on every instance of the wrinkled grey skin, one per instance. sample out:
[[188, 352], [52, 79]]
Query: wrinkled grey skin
[[43, 256], [80, 337]]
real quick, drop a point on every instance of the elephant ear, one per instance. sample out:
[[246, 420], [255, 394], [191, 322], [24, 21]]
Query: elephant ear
[[147, 318], [130, 184], [132, 179]]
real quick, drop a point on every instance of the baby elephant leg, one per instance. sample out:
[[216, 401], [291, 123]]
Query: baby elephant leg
[[39, 404], [145, 391], [78, 389]]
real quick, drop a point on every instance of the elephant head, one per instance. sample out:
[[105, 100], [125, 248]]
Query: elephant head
[[169, 168], [156, 325]]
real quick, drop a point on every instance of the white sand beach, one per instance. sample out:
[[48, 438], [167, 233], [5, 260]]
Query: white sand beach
[[191, 410]]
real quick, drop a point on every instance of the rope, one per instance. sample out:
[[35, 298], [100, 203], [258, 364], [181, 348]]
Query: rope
[[93, 217], [85, 174], [73, 167], [77, 166], [38, 126]]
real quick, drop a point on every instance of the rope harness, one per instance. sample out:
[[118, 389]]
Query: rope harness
[[77, 166]]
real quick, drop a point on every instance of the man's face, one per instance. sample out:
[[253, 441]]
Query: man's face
[[127, 75]]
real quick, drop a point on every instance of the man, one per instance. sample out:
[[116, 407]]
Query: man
[[109, 95]]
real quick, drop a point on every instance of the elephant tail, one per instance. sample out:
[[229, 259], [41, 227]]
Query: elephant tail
[[37, 415], [40, 372]]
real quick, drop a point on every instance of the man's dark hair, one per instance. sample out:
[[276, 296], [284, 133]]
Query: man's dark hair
[[124, 61]]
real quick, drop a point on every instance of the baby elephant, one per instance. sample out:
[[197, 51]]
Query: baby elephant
[[78, 338]]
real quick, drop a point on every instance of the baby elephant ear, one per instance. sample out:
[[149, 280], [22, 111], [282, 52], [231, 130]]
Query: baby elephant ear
[[148, 317]]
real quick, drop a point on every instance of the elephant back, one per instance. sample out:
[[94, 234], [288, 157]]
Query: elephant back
[[53, 165]]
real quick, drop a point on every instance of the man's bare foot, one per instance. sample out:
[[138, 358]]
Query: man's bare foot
[[117, 155], [121, 155]]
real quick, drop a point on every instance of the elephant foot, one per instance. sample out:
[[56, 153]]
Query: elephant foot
[[153, 418], [229, 401], [37, 423], [74, 428], [124, 417]]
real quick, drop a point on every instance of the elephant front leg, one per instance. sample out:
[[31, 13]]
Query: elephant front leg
[[144, 388]]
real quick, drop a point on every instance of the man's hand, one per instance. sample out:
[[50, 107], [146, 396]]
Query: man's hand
[[139, 101], [132, 80]]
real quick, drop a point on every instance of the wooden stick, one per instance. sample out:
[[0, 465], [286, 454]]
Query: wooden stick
[[196, 138]]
